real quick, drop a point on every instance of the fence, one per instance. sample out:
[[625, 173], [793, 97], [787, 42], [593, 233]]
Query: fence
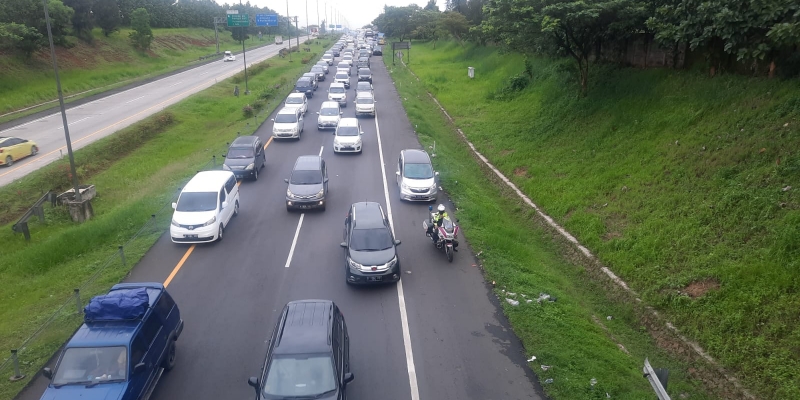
[[23, 362]]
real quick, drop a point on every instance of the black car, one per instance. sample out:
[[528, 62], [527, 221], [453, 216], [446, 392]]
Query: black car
[[305, 85], [378, 51], [319, 71], [245, 157], [336, 52], [364, 74], [308, 355], [370, 253], [308, 185]]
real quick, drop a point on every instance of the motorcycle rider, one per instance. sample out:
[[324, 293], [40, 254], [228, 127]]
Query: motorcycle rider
[[437, 221]]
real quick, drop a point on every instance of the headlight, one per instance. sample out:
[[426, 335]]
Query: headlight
[[404, 186], [433, 187], [353, 264], [392, 262], [251, 166], [289, 193], [211, 221], [176, 224], [321, 192], [225, 167]]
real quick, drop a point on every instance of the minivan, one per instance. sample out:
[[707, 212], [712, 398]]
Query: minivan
[[338, 93], [329, 115], [416, 178], [205, 207], [370, 248], [308, 184], [308, 355], [342, 78], [347, 136], [288, 123], [365, 104], [245, 157]]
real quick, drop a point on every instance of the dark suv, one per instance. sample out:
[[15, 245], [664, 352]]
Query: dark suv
[[308, 185], [370, 253], [308, 355], [245, 157], [364, 74], [124, 346], [305, 85]]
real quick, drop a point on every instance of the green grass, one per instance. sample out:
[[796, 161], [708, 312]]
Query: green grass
[[37, 277], [670, 178], [108, 62]]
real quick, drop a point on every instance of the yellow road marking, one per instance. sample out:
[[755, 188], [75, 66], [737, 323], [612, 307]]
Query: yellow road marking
[[178, 267]]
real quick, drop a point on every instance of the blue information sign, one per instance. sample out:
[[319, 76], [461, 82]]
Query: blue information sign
[[338, 27], [266, 19]]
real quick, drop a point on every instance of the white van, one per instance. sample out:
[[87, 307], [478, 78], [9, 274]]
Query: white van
[[288, 123], [205, 206]]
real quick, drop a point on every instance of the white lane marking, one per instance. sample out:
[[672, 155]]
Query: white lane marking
[[320, 150], [176, 83], [73, 123], [412, 370], [131, 101], [294, 242]]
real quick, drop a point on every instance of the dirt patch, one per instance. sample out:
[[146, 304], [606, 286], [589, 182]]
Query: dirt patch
[[506, 153], [699, 288], [615, 224], [521, 172]]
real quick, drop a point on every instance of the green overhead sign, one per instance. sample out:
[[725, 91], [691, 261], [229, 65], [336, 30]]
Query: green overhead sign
[[238, 20]]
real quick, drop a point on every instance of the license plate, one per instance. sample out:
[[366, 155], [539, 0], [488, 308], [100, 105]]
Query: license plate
[[190, 236], [374, 278]]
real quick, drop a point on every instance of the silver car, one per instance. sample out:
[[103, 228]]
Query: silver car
[[365, 104], [416, 178], [329, 115]]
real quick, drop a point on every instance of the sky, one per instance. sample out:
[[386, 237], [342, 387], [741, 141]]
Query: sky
[[356, 12]]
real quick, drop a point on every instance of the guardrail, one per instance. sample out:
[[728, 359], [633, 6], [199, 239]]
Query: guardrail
[[201, 58], [658, 379], [21, 226]]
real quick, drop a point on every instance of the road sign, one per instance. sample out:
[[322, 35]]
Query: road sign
[[338, 27], [331, 26], [266, 19], [238, 20], [401, 45]]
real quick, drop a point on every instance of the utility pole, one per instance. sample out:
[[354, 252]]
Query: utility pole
[[289, 29], [298, 34], [319, 24], [244, 58], [308, 30]]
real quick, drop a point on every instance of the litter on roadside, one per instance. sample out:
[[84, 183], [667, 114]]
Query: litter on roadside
[[532, 359], [512, 302]]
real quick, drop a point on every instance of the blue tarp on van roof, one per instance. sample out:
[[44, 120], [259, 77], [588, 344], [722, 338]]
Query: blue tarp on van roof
[[126, 304]]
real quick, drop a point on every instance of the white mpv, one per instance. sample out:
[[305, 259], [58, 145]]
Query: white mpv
[[205, 206]]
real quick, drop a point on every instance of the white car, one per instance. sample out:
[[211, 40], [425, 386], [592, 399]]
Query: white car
[[324, 65], [365, 104], [364, 87], [328, 58], [329, 115], [343, 78], [288, 123], [297, 100], [205, 206], [228, 57], [347, 137], [416, 177], [344, 67], [348, 58], [338, 93]]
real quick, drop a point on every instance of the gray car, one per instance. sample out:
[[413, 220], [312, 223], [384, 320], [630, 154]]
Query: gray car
[[308, 184], [245, 157]]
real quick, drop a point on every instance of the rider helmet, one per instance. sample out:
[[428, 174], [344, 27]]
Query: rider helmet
[[440, 208]]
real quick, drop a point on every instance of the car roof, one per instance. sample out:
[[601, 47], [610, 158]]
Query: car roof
[[306, 327], [337, 84], [307, 163], [367, 215], [244, 141], [364, 94], [204, 180], [329, 104], [364, 70], [416, 156], [289, 110], [303, 79], [364, 83], [296, 95]]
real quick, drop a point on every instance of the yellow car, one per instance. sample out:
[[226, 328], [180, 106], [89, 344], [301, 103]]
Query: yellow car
[[13, 149], [381, 41]]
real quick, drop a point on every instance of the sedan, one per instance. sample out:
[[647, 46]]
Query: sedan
[[13, 149]]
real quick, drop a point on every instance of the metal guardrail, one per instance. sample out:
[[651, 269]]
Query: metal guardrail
[[21, 226], [658, 379]]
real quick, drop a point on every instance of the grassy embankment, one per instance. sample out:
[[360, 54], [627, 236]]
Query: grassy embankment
[[676, 182], [137, 171], [107, 63]]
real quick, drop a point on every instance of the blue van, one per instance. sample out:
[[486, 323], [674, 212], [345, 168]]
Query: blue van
[[125, 344]]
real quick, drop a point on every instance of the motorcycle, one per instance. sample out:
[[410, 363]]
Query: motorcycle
[[448, 234]]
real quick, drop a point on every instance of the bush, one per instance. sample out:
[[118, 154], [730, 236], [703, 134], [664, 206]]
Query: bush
[[305, 61], [248, 111], [258, 105]]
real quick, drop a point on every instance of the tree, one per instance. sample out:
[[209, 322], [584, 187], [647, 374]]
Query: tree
[[82, 18], [455, 24], [142, 35], [20, 37], [397, 21], [431, 6], [107, 15]]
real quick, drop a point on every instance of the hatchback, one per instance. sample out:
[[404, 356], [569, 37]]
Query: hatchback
[[370, 252], [416, 178], [308, 184]]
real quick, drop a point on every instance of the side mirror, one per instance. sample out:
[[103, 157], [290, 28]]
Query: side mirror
[[224, 204], [361, 133], [396, 242], [325, 180], [174, 205], [397, 173], [272, 119], [343, 244], [48, 373], [286, 180], [138, 368], [224, 155], [253, 381], [317, 112], [436, 173], [341, 112], [348, 377]]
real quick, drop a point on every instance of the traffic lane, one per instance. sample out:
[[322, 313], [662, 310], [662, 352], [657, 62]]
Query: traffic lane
[[377, 355], [103, 117], [465, 345]]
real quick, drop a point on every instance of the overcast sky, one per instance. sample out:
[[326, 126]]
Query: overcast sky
[[357, 12]]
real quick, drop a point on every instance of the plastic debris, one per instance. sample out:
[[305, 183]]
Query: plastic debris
[[609, 318], [523, 295], [593, 382], [408, 272], [529, 301], [532, 359], [512, 302], [542, 297], [549, 380], [511, 293], [787, 188], [545, 367]]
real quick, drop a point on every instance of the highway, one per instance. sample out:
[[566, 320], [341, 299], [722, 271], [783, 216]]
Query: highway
[[102, 117], [438, 334]]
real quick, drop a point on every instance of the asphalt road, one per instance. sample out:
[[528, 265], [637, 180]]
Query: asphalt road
[[91, 121], [454, 344]]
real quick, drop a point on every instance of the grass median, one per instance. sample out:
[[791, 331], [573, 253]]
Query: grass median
[[681, 184], [137, 172]]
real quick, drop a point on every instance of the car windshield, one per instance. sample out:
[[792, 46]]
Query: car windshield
[[89, 365], [294, 100], [418, 171], [337, 90], [329, 112], [304, 82], [306, 177], [347, 131], [316, 69], [286, 118], [364, 100], [197, 201], [305, 376], [371, 239], [240, 152]]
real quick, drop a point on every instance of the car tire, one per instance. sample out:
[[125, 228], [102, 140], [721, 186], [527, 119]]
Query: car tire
[[169, 360], [34, 150], [9, 161], [255, 174], [236, 209], [220, 232]]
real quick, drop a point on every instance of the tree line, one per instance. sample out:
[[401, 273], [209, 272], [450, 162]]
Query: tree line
[[728, 35], [23, 27]]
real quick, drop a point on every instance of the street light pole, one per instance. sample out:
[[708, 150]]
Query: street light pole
[[244, 58], [319, 24], [308, 30], [289, 30], [78, 198]]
